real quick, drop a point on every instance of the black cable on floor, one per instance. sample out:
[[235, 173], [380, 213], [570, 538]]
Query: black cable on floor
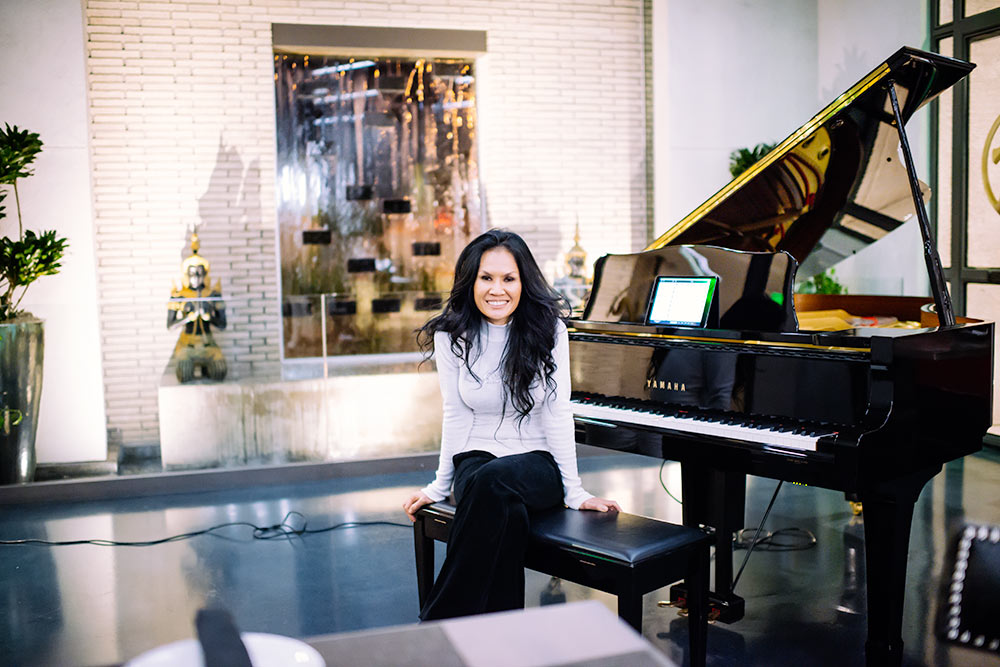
[[284, 530], [784, 539]]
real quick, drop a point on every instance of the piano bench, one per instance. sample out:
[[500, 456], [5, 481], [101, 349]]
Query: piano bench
[[615, 552]]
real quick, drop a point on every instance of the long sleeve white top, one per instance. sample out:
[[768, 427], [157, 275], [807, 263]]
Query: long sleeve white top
[[474, 416]]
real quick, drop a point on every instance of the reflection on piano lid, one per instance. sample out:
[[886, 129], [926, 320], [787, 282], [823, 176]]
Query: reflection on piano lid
[[834, 185], [753, 291]]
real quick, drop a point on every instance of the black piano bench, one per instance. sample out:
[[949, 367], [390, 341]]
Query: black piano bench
[[615, 552]]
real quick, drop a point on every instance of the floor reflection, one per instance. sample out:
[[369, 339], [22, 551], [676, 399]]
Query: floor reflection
[[852, 597], [32, 603], [87, 605]]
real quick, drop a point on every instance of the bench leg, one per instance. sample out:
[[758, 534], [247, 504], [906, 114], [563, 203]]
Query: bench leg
[[697, 605], [630, 607], [423, 550]]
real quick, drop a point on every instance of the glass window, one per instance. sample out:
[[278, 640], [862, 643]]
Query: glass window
[[946, 12], [984, 154], [378, 192], [973, 7]]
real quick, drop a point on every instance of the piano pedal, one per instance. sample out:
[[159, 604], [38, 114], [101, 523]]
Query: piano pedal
[[727, 609], [680, 604]]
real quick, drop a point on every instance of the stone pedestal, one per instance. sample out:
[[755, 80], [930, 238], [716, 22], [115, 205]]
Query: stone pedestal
[[367, 407]]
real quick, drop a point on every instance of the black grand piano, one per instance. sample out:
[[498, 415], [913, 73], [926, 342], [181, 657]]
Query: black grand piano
[[874, 411]]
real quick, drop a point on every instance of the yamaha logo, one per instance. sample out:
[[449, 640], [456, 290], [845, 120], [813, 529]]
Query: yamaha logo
[[664, 384]]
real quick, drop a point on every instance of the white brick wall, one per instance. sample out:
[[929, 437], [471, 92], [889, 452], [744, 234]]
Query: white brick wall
[[182, 132]]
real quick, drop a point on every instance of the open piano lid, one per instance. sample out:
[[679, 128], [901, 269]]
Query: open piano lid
[[834, 185]]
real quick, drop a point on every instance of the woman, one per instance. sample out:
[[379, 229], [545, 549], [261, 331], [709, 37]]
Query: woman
[[507, 442]]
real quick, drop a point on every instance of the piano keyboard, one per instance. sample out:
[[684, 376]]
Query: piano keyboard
[[771, 432]]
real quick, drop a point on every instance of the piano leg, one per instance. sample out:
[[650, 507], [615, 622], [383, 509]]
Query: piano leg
[[887, 515], [716, 498]]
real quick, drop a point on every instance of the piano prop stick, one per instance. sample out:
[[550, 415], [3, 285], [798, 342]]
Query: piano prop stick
[[872, 411], [939, 288]]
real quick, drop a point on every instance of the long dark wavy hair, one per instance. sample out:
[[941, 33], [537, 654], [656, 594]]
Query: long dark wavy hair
[[530, 330]]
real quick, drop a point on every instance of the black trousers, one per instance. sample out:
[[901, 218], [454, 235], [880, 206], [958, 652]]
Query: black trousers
[[484, 568]]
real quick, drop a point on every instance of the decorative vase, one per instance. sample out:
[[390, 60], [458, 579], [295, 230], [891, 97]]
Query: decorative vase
[[21, 352]]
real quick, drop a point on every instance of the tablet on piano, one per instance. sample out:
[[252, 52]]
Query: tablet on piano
[[681, 301]]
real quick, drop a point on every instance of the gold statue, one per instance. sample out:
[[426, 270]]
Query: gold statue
[[574, 285], [576, 258], [198, 309]]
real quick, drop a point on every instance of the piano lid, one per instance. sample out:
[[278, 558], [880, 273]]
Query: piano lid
[[834, 185]]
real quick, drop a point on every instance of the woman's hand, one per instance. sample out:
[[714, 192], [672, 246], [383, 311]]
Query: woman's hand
[[600, 505], [415, 502]]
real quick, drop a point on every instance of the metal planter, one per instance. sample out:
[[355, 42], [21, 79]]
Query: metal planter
[[22, 349]]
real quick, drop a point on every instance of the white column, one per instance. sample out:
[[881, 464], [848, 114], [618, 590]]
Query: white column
[[44, 89]]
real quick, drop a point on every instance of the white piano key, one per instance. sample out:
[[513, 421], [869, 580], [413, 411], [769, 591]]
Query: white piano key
[[690, 425]]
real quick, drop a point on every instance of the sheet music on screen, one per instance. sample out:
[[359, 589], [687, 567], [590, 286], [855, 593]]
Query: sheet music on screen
[[678, 301]]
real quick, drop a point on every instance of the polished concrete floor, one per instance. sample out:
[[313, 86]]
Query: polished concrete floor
[[96, 605]]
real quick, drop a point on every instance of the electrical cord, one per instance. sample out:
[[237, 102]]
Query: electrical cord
[[803, 539], [760, 528], [665, 486], [280, 531], [785, 539]]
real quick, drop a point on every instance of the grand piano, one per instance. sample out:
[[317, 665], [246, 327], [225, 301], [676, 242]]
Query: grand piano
[[873, 411]]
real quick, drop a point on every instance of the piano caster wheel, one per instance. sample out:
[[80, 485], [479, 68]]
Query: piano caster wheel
[[856, 507]]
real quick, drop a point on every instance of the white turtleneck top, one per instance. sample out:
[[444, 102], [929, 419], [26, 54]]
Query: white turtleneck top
[[473, 409]]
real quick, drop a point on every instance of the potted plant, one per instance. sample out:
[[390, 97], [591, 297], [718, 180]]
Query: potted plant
[[822, 283], [24, 258]]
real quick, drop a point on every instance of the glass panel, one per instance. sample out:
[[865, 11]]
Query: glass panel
[[984, 304], [984, 154], [973, 7], [378, 192], [946, 11], [942, 200]]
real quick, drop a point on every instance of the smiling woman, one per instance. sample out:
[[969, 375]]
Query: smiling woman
[[507, 441]]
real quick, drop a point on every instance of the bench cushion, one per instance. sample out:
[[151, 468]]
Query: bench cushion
[[626, 538]]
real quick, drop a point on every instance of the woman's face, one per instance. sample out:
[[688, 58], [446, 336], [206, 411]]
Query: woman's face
[[498, 285]]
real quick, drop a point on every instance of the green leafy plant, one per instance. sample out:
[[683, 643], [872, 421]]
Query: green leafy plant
[[28, 256], [11, 417], [743, 158], [822, 283], [313, 273]]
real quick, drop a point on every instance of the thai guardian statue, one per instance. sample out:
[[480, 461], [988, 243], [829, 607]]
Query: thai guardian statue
[[197, 308], [574, 285]]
